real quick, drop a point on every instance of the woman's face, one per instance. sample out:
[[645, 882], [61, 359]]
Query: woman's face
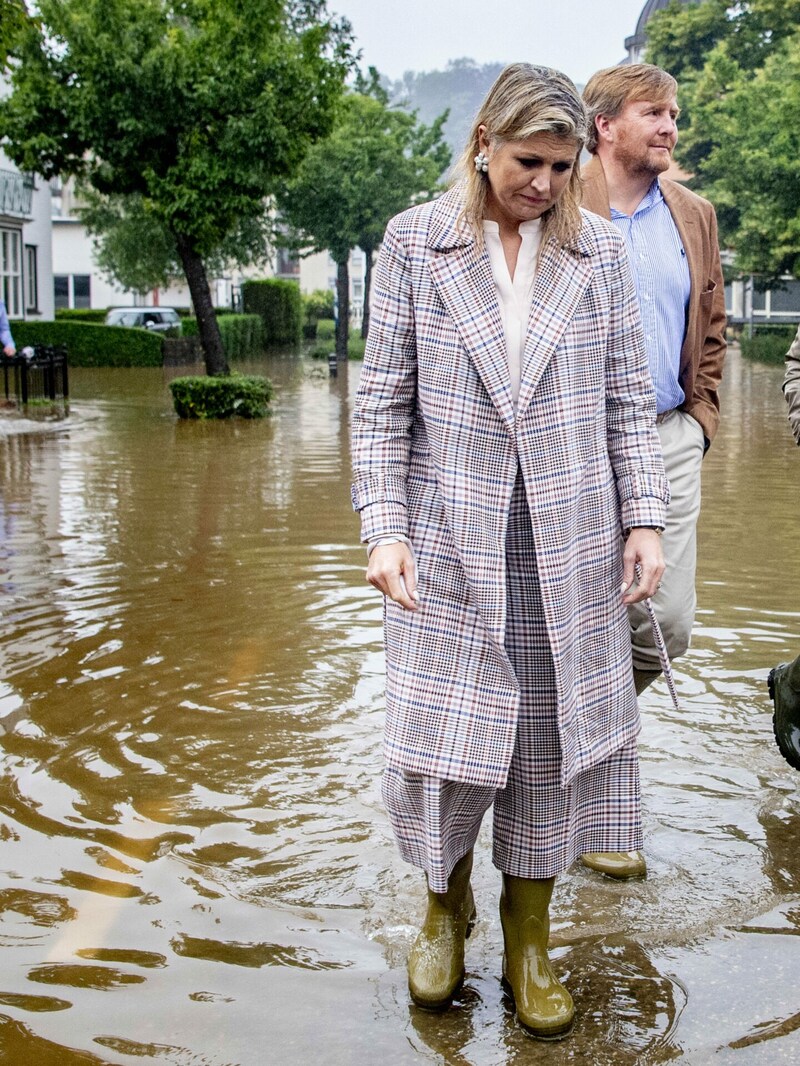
[[526, 177]]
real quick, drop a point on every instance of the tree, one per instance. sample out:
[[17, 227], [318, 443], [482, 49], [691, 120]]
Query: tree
[[198, 107], [738, 69], [135, 250], [13, 21], [377, 161]]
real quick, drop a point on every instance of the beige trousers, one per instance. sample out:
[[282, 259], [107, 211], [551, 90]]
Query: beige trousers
[[683, 445]]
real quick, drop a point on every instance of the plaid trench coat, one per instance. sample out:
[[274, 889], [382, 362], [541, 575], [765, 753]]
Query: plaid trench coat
[[437, 448]]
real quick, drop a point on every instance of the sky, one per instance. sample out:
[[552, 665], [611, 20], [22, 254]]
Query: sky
[[575, 36]]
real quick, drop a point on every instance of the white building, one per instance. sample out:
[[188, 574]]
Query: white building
[[26, 274]]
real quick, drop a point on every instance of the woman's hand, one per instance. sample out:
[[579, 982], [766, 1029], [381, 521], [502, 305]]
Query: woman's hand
[[392, 571], [643, 562]]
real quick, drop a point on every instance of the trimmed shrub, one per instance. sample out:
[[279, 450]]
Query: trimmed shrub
[[188, 312], [768, 345], [89, 344], [323, 348], [242, 335], [326, 329], [82, 314], [316, 305], [221, 397], [280, 307]]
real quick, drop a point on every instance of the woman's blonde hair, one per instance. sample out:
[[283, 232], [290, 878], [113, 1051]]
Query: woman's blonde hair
[[526, 100]]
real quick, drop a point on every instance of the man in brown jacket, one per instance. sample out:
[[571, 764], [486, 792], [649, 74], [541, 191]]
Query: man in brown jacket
[[671, 237], [791, 385]]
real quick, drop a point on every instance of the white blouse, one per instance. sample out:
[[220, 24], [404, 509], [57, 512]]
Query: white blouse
[[515, 296]]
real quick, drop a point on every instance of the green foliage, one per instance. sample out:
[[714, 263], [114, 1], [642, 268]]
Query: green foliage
[[377, 161], [323, 348], [326, 329], [221, 397], [13, 23], [89, 344], [198, 107], [316, 305], [135, 250], [81, 314], [279, 305], [739, 73], [768, 347], [242, 335]]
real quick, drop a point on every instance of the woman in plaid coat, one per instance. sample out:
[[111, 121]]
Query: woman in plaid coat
[[503, 443]]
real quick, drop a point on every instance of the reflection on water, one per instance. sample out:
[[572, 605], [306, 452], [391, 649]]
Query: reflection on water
[[195, 865]]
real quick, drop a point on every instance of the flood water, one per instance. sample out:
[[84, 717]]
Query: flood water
[[195, 867]]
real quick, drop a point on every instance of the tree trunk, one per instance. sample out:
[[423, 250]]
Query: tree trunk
[[343, 315], [207, 325], [367, 288]]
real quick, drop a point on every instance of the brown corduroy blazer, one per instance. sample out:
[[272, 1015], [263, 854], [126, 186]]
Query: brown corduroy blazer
[[704, 345]]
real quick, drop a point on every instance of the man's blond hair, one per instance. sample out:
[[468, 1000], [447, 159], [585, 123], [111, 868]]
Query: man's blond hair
[[608, 91]]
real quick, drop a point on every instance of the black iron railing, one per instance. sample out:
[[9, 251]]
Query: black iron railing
[[39, 373]]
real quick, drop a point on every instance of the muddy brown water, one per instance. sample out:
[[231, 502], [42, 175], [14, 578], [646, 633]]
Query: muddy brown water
[[194, 864]]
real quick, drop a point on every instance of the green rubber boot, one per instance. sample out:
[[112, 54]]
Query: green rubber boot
[[436, 960], [784, 690], [623, 865], [544, 1007]]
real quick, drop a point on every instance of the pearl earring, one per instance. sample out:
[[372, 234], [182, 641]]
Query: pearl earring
[[481, 162]]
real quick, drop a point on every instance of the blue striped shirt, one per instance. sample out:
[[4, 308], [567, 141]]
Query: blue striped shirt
[[661, 273]]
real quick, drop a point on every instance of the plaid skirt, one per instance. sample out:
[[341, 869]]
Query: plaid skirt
[[539, 828]]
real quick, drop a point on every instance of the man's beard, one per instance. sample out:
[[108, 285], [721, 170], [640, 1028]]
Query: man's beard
[[646, 164]]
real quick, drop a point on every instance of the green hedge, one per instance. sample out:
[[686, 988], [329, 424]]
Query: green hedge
[[768, 346], [242, 335], [92, 345], [322, 349], [316, 305], [280, 306], [218, 397], [82, 314]]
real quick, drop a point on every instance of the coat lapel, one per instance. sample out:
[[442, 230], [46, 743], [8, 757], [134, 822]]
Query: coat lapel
[[561, 280], [462, 275]]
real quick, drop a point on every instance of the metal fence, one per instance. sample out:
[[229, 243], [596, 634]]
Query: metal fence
[[38, 373]]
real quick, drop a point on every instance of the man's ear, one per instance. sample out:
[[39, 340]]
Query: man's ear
[[603, 126]]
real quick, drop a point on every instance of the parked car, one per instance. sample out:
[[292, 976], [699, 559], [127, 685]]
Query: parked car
[[160, 319]]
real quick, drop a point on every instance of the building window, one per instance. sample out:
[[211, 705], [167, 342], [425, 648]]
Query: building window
[[287, 264], [72, 290], [11, 271], [785, 300], [61, 290], [81, 290], [31, 278]]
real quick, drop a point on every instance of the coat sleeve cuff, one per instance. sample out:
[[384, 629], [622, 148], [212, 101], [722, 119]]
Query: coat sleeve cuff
[[643, 500], [382, 520]]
